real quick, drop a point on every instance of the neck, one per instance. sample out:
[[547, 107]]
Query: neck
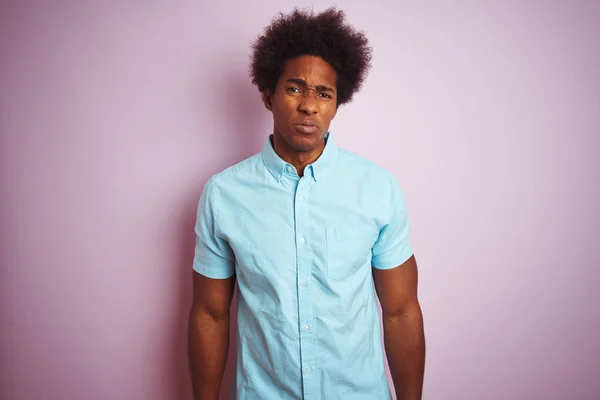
[[299, 159]]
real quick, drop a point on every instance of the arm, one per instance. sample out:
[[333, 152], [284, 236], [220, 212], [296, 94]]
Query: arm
[[208, 334], [403, 327]]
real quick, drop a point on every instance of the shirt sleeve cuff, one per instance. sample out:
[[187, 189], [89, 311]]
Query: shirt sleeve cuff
[[392, 258], [224, 271]]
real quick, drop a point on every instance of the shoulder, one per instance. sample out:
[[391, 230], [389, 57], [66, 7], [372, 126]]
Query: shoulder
[[368, 171], [236, 171], [232, 178]]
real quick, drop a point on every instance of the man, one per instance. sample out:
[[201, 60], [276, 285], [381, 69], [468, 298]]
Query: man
[[308, 231]]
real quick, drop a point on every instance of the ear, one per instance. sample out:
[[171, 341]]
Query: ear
[[267, 99]]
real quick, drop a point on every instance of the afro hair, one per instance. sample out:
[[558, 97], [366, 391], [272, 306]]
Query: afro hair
[[325, 35]]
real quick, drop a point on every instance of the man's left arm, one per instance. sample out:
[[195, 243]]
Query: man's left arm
[[403, 327]]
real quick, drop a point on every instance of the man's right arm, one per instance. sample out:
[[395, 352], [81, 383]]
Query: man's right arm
[[208, 334]]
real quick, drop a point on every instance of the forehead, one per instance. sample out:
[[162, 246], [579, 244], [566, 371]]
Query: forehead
[[314, 70]]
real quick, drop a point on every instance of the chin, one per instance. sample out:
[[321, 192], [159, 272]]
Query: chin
[[303, 142]]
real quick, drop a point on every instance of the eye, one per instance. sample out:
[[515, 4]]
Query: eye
[[293, 89], [325, 95]]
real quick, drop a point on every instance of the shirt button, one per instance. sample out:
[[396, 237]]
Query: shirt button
[[288, 168], [301, 240], [306, 327], [307, 369], [300, 198], [303, 284]]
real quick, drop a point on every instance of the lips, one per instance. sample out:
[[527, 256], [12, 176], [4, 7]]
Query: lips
[[306, 127]]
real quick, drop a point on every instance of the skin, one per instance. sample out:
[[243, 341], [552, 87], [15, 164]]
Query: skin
[[306, 92], [404, 338], [208, 334]]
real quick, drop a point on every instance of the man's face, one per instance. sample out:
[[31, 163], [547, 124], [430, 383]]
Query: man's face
[[304, 102]]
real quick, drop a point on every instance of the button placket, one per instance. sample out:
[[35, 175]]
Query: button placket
[[305, 295]]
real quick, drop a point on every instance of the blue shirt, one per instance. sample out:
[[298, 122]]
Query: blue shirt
[[302, 250]]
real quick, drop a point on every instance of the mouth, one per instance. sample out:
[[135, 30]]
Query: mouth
[[306, 127]]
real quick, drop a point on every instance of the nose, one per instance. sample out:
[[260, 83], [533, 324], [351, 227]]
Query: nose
[[309, 104]]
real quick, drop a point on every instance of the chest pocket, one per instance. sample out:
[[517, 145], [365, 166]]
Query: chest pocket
[[347, 252]]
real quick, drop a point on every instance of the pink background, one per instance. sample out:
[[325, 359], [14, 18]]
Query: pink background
[[114, 114]]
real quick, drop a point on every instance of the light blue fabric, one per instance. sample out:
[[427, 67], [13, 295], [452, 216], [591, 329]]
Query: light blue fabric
[[302, 249]]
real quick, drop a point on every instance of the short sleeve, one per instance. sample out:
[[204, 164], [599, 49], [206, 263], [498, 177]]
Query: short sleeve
[[392, 247], [213, 256]]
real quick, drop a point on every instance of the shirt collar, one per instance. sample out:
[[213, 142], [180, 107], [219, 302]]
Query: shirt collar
[[318, 169]]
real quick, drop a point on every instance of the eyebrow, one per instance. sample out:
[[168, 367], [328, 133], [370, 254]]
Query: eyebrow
[[302, 82]]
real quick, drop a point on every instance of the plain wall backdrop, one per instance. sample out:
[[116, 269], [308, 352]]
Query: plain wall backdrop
[[114, 114]]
